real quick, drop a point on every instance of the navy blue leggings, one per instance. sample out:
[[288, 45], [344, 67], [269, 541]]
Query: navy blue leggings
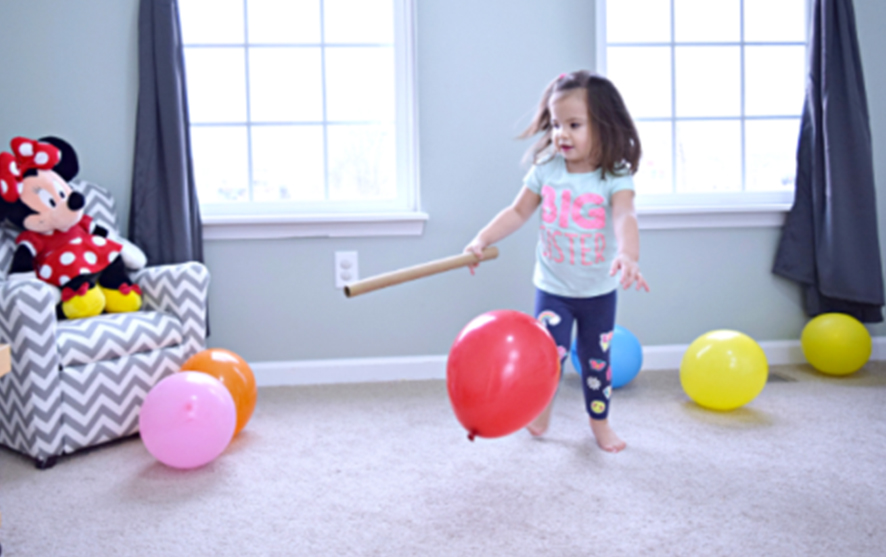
[[595, 318]]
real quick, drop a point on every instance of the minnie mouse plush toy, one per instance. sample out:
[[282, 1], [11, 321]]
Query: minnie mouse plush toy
[[62, 245]]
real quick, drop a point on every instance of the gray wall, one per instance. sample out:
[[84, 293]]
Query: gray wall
[[70, 69]]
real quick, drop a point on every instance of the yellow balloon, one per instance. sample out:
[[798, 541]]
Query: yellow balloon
[[836, 343], [723, 370]]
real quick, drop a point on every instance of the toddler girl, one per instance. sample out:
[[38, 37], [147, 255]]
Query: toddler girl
[[581, 177]]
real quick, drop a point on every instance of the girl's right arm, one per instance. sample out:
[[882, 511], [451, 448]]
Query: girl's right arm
[[506, 222]]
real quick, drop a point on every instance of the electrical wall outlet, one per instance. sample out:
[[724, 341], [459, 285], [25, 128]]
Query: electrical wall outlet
[[346, 270]]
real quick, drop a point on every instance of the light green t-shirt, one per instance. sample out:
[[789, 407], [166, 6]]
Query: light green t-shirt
[[576, 240]]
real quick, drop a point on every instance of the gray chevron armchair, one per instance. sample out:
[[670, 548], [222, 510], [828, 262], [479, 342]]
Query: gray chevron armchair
[[79, 383]]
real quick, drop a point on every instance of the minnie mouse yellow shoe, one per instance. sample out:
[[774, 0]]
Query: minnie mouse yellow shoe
[[123, 300], [83, 302]]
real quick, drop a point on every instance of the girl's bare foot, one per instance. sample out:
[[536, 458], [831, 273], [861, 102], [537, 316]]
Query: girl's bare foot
[[606, 438], [539, 425]]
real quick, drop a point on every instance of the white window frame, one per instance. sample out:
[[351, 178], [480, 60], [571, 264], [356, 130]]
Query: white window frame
[[721, 210], [245, 225]]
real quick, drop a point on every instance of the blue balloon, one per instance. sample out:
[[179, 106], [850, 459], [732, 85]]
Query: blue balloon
[[625, 357]]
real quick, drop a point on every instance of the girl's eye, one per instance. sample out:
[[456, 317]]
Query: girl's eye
[[46, 198], [575, 125]]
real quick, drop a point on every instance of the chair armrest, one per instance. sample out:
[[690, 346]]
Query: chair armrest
[[31, 394], [181, 290]]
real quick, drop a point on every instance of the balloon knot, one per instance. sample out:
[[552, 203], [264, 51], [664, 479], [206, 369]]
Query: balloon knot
[[471, 436], [191, 407]]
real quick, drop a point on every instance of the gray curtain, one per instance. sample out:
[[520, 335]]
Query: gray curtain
[[829, 243], [164, 217]]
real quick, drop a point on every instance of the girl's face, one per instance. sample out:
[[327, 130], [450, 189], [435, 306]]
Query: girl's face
[[571, 129]]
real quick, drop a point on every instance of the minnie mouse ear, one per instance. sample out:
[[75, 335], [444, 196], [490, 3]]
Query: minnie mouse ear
[[68, 166]]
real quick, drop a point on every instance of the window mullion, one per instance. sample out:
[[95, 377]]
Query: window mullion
[[323, 87], [673, 101], [249, 191], [744, 149]]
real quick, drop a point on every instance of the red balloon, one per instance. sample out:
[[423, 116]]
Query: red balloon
[[502, 371]]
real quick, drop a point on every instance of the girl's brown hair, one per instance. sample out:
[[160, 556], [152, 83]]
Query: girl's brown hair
[[616, 143]]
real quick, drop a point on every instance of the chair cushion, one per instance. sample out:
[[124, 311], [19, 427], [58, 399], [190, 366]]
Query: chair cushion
[[110, 336]]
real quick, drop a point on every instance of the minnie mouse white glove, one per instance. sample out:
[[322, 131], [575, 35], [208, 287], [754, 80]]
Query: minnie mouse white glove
[[133, 257]]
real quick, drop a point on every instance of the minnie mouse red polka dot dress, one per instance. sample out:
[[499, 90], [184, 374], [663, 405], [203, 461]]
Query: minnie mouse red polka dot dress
[[61, 256]]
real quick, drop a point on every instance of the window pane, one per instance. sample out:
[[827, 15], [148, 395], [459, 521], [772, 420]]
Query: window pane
[[638, 21], [287, 163], [775, 79], [362, 163], [642, 75], [358, 21], [225, 25], [771, 147], [221, 168], [360, 84], [707, 21], [775, 20], [284, 21], [708, 81], [656, 166], [708, 156], [285, 84], [216, 84]]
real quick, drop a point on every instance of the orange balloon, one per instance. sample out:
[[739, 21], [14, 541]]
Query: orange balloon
[[234, 373]]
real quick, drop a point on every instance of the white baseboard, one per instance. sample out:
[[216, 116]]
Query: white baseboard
[[878, 354], [350, 370], [778, 352], [416, 368]]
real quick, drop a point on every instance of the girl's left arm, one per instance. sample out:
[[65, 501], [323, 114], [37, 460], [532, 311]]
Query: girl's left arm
[[627, 234]]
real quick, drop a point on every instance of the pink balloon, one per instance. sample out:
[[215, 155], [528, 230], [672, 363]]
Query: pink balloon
[[187, 419]]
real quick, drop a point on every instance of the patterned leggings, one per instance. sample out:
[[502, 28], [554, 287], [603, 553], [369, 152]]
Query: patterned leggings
[[596, 320]]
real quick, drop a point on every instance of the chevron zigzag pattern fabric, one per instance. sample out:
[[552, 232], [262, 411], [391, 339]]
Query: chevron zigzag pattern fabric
[[110, 336], [98, 203], [101, 400], [30, 403], [7, 248], [79, 383], [180, 290]]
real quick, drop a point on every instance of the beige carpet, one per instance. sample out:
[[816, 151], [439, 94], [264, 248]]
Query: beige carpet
[[385, 469]]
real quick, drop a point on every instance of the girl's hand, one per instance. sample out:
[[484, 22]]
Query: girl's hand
[[476, 247], [630, 272]]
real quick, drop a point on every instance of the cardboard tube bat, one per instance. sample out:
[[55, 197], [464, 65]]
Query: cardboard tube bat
[[417, 272]]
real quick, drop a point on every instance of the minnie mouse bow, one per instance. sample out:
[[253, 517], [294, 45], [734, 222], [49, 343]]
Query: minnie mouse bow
[[28, 154]]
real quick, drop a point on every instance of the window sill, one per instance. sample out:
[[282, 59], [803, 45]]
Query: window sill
[[677, 218], [412, 224], [255, 227]]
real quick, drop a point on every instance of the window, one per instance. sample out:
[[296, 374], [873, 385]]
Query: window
[[301, 110], [716, 89]]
